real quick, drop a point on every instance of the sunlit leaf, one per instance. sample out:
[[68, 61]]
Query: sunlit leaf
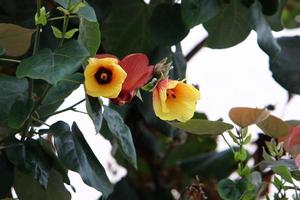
[[243, 116], [15, 39], [274, 126]]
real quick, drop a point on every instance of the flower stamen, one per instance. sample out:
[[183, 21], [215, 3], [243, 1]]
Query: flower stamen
[[103, 75]]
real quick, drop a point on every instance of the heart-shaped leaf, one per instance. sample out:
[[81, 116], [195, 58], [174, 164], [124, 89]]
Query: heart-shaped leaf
[[243, 116], [53, 66]]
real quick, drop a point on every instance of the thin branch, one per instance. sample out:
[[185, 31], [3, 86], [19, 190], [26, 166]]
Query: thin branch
[[195, 50]]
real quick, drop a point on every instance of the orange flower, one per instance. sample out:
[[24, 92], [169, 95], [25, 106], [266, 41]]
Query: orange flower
[[104, 77], [139, 72], [175, 100]]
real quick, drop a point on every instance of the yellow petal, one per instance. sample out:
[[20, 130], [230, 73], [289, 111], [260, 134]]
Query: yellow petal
[[109, 90], [180, 106]]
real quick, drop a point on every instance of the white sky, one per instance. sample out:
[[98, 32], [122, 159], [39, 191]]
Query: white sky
[[237, 76]]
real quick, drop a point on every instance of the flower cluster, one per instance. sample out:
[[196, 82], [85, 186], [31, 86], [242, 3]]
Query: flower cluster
[[292, 144], [119, 80]]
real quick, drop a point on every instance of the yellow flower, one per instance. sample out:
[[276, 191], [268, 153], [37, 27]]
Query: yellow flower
[[104, 77], [175, 100]]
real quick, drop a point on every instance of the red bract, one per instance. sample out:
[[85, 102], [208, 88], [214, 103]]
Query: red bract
[[139, 72], [292, 143]]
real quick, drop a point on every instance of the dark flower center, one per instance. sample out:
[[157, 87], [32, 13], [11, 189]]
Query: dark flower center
[[103, 76], [171, 93]]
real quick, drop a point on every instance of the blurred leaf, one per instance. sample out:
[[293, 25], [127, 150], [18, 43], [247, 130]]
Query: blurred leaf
[[19, 113], [171, 29], [209, 164], [275, 163], [121, 133], [196, 12], [94, 109], [274, 127], [229, 27], [30, 158], [69, 34], [203, 127], [125, 29], [275, 20], [11, 90], [292, 123], [5, 131], [243, 116], [192, 147], [74, 152], [285, 67], [284, 172], [53, 66], [296, 174], [255, 179], [89, 35], [6, 176], [290, 13], [29, 189], [265, 39], [15, 39], [231, 190]]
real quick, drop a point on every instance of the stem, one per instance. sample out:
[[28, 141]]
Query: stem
[[10, 60], [65, 26], [66, 109], [38, 29], [61, 17], [197, 48], [227, 143], [40, 121]]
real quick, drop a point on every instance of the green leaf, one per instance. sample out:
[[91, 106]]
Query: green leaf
[[196, 12], [94, 109], [255, 179], [11, 90], [86, 11], [69, 34], [89, 35], [57, 165], [122, 134], [74, 152], [230, 190], [15, 39], [57, 33], [240, 155], [125, 30], [285, 67], [62, 89], [30, 158], [265, 38], [290, 13], [42, 19], [284, 172], [203, 127], [29, 189], [19, 113], [208, 164], [53, 66], [229, 27], [275, 163], [171, 29]]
